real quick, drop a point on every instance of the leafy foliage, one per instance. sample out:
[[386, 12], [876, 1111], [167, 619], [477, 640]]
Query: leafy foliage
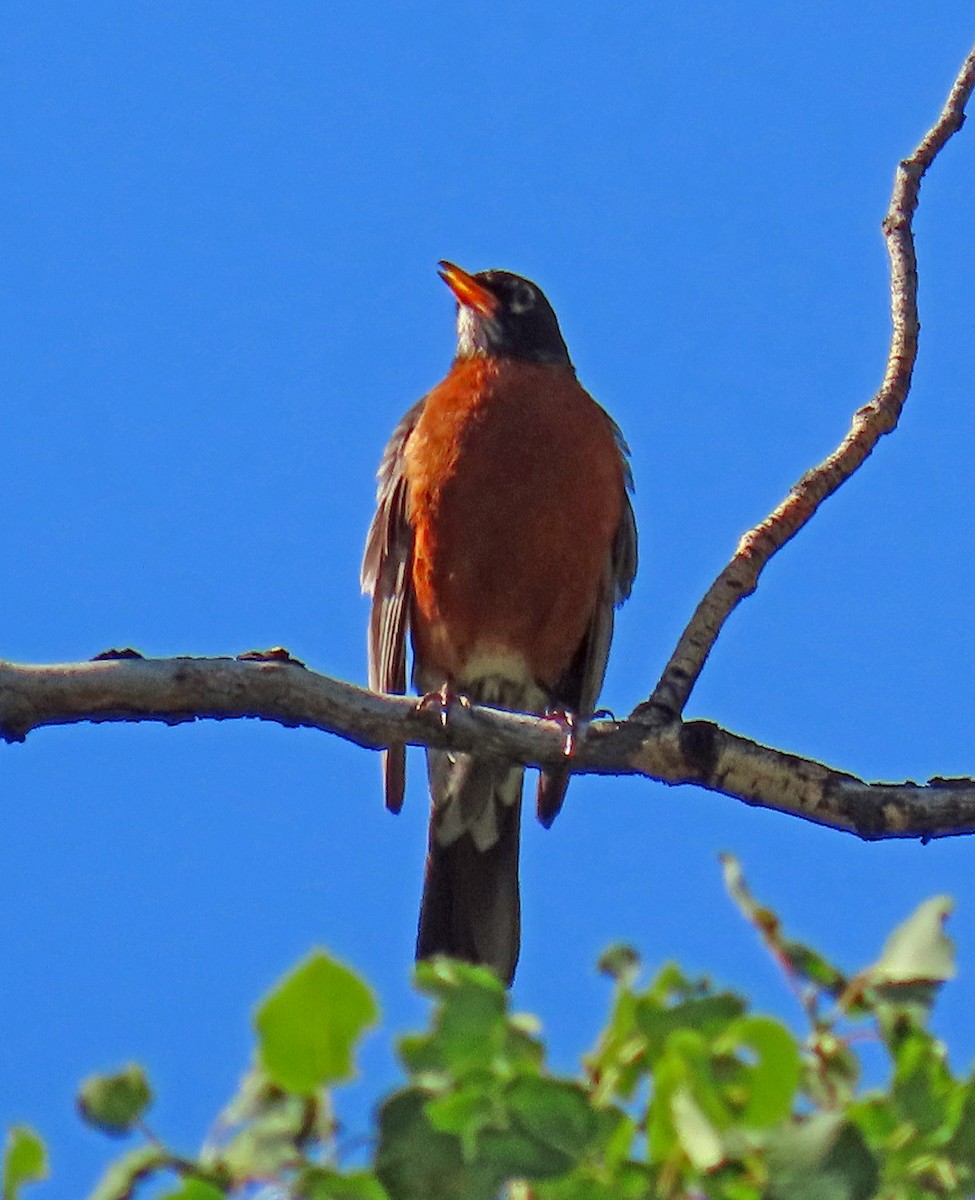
[[24, 1160], [686, 1094], [115, 1103]]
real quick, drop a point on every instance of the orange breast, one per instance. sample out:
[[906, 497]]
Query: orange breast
[[516, 490]]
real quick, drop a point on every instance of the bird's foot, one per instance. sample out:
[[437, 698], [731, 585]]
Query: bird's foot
[[571, 724], [442, 699]]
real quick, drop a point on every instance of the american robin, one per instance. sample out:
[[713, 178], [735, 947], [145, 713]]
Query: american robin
[[503, 541]]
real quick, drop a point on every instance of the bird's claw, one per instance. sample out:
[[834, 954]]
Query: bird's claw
[[570, 725], [442, 699]]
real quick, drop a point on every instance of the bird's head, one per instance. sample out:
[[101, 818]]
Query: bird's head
[[501, 315]]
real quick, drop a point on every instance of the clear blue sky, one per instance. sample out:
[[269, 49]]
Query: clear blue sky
[[221, 224]]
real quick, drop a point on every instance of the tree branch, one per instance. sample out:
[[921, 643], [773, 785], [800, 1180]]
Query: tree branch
[[740, 577], [275, 687], [655, 742]]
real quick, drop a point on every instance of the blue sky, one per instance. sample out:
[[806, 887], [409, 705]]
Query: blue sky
[[221, 227]]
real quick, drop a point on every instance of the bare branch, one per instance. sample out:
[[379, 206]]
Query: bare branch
[[740, 577], [276, 688]]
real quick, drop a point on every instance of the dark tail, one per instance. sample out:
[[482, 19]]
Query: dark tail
[[471, 907]]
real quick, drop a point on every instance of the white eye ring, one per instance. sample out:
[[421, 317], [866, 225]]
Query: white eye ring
[[523, 299]]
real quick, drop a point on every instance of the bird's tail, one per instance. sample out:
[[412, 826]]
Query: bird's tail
[[471, 906]]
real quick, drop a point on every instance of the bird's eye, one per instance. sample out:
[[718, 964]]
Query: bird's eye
[[523, 298]]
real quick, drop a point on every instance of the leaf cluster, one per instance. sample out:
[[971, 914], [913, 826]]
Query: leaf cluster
[[686, 1095]]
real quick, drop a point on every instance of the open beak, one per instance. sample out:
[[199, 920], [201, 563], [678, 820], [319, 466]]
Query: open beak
[[467, 290]]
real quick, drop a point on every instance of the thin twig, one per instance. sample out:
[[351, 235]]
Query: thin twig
[[740, 577]]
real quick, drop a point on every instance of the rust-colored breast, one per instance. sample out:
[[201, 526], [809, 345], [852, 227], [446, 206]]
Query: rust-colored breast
[[516, 490]]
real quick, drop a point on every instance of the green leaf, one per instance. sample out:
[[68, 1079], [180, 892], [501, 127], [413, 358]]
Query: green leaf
[[773, 1079], [821, 1158], [115, 1103], [876, 1119], [514, 1154], [414, 1161], [555, 1113], [309, 1024], [616, 1133], [124, 1175], [621, 963], [697, 1089], [535, 1127], [443, 978], [318, 1183], [24, 1160], [923, 1087], [733, 1187], [670, 1073], [617, 1063], [473, 1033], [709, 1016], [962, 1144], [466, 1112], [196, 1189], [919, 950], [572, 1187], [470, 1107], [712, 1077], [471, 1029], [810, 965]]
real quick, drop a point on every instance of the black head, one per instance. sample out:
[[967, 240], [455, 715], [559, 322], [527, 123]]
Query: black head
[[501, 315]]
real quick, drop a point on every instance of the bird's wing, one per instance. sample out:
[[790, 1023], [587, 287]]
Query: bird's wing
[[386, 577], [579, 690]]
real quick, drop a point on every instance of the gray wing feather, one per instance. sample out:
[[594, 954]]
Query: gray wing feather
[[615, 588], [386, 577], [589, 669], [580, 689]]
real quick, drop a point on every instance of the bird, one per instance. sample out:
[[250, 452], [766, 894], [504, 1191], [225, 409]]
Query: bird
[[503, 541]]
